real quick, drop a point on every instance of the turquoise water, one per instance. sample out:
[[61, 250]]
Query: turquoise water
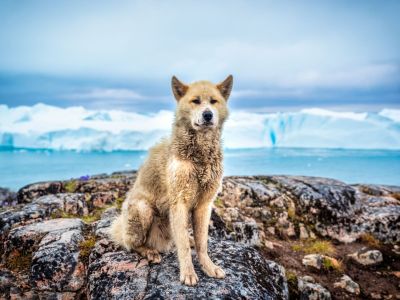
[[21, 167]]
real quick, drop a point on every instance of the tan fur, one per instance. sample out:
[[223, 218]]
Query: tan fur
[[179, 180]]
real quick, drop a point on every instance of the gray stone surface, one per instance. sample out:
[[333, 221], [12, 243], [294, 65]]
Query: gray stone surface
[[41, 257], [348, 284], [7, 197], [120, 275], [309, 290], [367, 257], [333, 208]]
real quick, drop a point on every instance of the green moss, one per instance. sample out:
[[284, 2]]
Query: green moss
[[89, 218], [331, 264], [291, 278], [315, 246], [70, 186], [218, 202], [297, 247], [291, 213], [321, 247], [62, 214], [95, 215], [119, 201], [92, 217], [19, 261], [85, 248]]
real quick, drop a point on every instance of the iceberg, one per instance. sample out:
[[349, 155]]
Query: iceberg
[[76, 128]]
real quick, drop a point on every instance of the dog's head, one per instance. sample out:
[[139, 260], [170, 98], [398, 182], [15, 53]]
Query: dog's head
[[202, 104]]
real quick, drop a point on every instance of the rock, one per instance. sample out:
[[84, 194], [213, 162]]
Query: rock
[[50, 251], [121, 275], [319, 261], [289, 231], [308, 289], [307, 278], [42, 208], [7, 197], [28, 237], [7, 280], [367, 257], [271, 230], [55, 265], [28, 213], [34, 191], [376, 296], [246, 232], [312, 235], [118, 182], [102, 226], [396, 273], [303, 232], [65, 258], [334, 209], [269, 245], [348, 284], [117, 274], [313, 260]]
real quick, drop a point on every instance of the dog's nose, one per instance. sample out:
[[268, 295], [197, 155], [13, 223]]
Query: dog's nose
[[207, 115]]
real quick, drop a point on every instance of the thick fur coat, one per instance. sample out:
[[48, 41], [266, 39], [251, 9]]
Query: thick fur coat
[[178, 182]]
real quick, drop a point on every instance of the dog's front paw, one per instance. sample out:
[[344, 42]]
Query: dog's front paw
[[214, 271], [189, 278], [153, 256]]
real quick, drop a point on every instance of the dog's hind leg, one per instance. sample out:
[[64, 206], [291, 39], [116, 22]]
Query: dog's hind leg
[[131, 228]]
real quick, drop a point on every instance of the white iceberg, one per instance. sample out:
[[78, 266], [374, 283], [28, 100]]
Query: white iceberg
[[76, 128]]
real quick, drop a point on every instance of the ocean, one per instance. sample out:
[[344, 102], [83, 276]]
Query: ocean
[[19, 167]]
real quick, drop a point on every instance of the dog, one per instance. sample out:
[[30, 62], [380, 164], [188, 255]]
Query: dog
[[178, 183]]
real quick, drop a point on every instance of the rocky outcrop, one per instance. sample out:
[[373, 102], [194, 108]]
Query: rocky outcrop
[[7, 197], [319, 261], [115, 274], [348, 284], [118, 182], [310, 290], [367, 257], [55, 245], [329, 207]]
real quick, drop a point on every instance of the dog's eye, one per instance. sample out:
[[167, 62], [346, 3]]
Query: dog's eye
[[213, 101], [196, 101]]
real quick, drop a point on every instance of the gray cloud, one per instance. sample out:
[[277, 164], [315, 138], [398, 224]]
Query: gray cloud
[[274, 49]]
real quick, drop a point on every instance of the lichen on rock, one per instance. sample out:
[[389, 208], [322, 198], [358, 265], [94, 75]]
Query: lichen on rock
[[55, 243]]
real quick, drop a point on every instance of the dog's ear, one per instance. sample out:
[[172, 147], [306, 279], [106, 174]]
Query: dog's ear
[[178, 88], [225, 87]]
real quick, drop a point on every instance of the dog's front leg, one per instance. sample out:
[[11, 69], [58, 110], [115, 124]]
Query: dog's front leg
[[179, 215], [201, 219]]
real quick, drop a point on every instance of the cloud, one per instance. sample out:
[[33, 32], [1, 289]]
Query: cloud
[[275, 50], [369, 76], [102, 93], [269, 93]]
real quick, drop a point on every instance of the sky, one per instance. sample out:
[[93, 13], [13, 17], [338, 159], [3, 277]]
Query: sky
[[284, 55]]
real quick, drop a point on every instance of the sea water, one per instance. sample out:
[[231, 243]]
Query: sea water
[[19, 167]]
